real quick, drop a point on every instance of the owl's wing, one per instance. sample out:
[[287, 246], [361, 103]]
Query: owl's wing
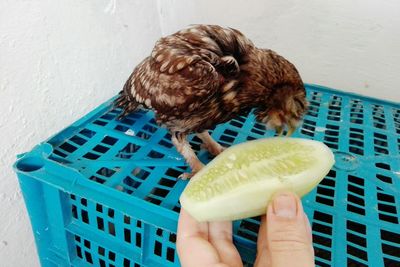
[[187, 68], [174, 82]]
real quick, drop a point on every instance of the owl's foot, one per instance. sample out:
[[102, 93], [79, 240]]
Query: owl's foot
[[196, 167], [213, 149], [183, 147], [186, 175], [210, 144]]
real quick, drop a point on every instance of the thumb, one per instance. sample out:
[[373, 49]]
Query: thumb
[[288, 240]]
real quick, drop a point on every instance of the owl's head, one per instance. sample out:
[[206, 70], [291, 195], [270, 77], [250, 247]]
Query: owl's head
[[285, 110]]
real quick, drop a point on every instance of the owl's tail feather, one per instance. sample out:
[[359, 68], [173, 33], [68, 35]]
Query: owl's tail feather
[[126, 103]]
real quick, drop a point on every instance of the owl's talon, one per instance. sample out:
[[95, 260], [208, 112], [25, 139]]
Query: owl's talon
[[204, 146], [196, 167], [185, 176]]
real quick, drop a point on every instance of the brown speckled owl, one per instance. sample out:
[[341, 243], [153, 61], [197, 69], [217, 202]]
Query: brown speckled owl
[[206, 75]]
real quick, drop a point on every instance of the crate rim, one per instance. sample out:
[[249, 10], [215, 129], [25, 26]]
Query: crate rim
[[351, 94], [79, 185]]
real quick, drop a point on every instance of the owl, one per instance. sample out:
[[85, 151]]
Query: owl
[[205, 75]]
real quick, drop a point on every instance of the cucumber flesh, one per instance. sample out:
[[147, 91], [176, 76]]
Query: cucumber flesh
[[240, 181]]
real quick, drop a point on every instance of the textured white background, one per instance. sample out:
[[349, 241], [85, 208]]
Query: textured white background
[[348, 45], [61, 58]]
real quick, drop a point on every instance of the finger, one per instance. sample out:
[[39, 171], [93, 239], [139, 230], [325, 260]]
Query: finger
[[262, 232], [288, 240], [262, 257], [188, 226], [308, 227], [262, 235], [192, 243], [220, 236], [220, 231], [196, 252], [309, 232]]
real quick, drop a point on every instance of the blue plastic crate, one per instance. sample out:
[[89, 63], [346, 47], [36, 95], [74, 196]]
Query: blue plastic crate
[[104, 192]]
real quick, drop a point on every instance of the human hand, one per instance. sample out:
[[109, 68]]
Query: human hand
[[284, 238]]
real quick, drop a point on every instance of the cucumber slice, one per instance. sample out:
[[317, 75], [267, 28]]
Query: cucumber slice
[[240, 181]]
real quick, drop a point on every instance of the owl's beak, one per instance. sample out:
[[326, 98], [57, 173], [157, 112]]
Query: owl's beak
[[279, 130], [290, 131]]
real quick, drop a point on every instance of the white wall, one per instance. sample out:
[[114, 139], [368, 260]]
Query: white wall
[[58, 60], [348, 45]]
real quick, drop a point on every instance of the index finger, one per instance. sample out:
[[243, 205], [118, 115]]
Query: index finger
[[192, 243], [189, 227]]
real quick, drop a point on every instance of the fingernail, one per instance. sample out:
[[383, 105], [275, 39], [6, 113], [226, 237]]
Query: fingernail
[[285, 206]]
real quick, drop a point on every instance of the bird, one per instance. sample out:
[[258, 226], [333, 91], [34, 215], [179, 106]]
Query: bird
[[205, 75]]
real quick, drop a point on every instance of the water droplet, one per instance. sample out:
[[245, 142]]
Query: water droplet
[[130, 132]]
